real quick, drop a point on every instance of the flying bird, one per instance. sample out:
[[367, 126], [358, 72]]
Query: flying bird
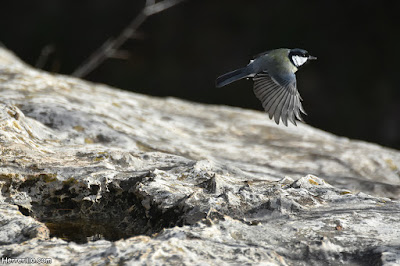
[[273, 73]]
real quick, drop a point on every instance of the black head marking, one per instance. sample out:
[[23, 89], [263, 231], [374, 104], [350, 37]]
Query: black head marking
[[298, 57]]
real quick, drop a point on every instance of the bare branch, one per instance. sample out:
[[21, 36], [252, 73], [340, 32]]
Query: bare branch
[[150, 2], [111, 46], [160, 6], [44, 55]]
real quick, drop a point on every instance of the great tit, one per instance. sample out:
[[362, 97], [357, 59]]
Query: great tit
[[273, 73]]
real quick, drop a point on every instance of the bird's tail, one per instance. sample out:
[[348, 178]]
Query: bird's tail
[[230, 77]]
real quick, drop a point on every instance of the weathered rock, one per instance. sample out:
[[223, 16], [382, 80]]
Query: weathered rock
[[164, 181], [17, 228]]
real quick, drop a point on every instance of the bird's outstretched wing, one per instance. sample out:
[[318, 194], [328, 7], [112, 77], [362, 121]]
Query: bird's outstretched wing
[[279, 97]]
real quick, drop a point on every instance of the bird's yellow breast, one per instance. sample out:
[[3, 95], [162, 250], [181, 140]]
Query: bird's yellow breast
[[280, 62]]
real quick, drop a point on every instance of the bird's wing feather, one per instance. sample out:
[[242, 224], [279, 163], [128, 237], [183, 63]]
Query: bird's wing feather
[[279, 96]]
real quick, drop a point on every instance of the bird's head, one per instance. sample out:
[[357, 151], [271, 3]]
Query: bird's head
[[299, 57]]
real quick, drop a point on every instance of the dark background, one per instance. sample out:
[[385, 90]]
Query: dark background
[[352, 90]]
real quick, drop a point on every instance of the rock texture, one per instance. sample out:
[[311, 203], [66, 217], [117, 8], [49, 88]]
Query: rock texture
[[95, 175]]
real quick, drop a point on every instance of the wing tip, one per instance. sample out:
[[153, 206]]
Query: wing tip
[[281, 103]]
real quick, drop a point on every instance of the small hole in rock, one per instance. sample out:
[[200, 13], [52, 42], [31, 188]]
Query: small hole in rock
[[94, 189], [23, 210]]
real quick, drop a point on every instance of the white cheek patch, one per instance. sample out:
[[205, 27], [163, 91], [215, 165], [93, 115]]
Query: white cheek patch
[[299, 60]]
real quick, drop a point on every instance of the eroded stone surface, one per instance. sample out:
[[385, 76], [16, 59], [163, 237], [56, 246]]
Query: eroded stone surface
[[17, 228], [182, 182]]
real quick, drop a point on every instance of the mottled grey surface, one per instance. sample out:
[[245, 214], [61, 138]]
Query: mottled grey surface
[[176, 182]]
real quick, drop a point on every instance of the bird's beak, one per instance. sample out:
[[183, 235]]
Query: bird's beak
[[310, 57]]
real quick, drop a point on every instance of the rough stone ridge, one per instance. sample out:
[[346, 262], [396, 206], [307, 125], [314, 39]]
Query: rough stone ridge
[[94, 175]]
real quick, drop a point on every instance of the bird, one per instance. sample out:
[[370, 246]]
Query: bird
[[273, 73]]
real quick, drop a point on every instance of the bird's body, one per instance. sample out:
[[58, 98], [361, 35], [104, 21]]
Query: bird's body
[[274, 78]]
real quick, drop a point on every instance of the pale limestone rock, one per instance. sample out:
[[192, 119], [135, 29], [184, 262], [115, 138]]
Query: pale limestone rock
[[165, 181]]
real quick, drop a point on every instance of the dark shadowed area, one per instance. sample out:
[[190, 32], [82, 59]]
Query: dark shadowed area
[[352, 90]]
